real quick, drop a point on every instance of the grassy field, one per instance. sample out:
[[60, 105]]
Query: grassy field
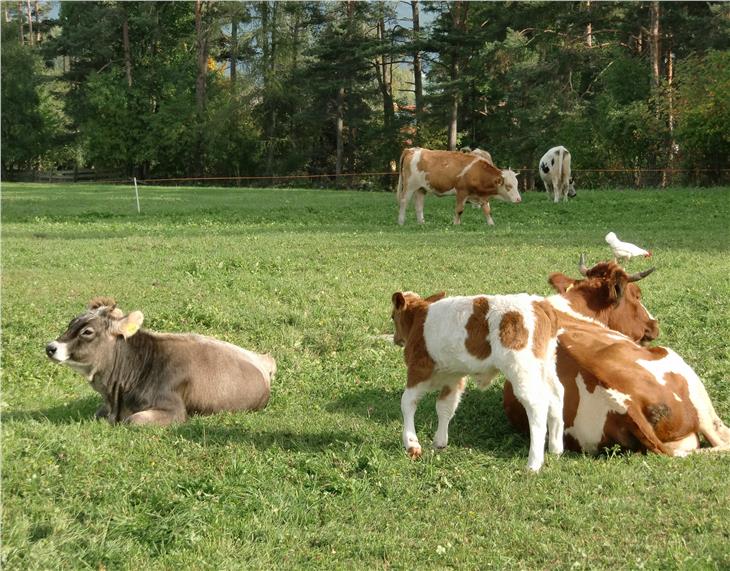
[[318, 479]]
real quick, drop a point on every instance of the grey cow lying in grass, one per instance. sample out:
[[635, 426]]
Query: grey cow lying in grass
[[159, 378]]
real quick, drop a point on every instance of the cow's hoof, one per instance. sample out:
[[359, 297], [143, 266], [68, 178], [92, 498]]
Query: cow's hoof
[[414, 453]]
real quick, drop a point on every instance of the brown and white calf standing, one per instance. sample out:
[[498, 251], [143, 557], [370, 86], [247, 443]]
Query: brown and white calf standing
[[159, 378], [446, 339]]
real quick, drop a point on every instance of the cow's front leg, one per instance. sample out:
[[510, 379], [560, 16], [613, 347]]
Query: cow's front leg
[[459, 208], [408, 405], [446, 406], [102, 412], [487, 212], [169, 409], [157, 417], [420, 199]]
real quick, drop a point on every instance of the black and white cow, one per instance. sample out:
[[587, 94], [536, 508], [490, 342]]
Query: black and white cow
[[555, 173]]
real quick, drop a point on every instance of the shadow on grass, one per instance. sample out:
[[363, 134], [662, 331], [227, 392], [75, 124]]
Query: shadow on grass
[[479, 423], [69, 413], [263, 440]]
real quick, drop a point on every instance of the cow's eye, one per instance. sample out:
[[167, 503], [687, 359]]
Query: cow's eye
[[88, 332]]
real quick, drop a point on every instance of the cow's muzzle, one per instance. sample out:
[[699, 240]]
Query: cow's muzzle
[[56, 351]]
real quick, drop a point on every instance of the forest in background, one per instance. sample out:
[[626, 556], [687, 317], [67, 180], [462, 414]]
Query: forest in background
[[196, 89]]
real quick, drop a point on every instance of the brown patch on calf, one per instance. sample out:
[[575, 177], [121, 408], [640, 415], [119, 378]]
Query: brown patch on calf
[[545, 327], [420, 364], [445, 392], [512, 331], [409, 316], [477, 330]]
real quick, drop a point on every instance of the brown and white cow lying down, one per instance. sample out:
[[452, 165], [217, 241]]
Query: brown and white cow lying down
[[446, 339], [618, 392], [159, 378], [470, 176]]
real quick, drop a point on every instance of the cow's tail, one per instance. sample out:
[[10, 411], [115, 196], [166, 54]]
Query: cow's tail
[[561, 179], [399, 188]]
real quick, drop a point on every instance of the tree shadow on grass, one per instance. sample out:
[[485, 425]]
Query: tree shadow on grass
[[67, 413], [479, 423]]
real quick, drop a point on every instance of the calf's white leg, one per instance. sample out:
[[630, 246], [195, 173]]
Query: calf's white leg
[[555, 414], [446, 406], [530, 389], [408, 405]]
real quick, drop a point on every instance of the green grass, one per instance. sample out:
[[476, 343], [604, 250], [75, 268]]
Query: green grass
[[318, 479]]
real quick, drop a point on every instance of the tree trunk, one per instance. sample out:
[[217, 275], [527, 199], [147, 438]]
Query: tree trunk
[[200, 84], [21, 27], [458, 19], [385, 80], [30, 23], [234, 48], [655, 43], [417, 74], [670, 96], [37, 22], [453, 121], [340, 132], [125, 42], [589, 27]]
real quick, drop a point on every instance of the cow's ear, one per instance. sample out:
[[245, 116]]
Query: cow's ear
[[616, 292], [399, 301], [560, 282], [435, 297], [129, 325], [617, 281]]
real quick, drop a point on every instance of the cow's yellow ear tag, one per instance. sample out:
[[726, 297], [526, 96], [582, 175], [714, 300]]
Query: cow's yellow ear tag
[[131, 324]]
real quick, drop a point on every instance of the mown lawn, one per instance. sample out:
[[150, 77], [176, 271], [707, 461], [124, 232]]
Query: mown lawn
[[318, 479]]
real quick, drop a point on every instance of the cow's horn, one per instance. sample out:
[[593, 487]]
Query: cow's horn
[[582, 265], [640, 275]]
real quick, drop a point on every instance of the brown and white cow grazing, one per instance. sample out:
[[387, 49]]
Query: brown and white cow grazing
[[471, 177], [618, 392], [159, 378], [446, 339]]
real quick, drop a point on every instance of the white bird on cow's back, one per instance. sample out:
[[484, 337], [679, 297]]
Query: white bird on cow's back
[[624, 250]]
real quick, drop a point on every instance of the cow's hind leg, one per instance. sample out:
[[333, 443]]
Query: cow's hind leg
[[420, 199], [446, 406], [403, 198], [408, 405]]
